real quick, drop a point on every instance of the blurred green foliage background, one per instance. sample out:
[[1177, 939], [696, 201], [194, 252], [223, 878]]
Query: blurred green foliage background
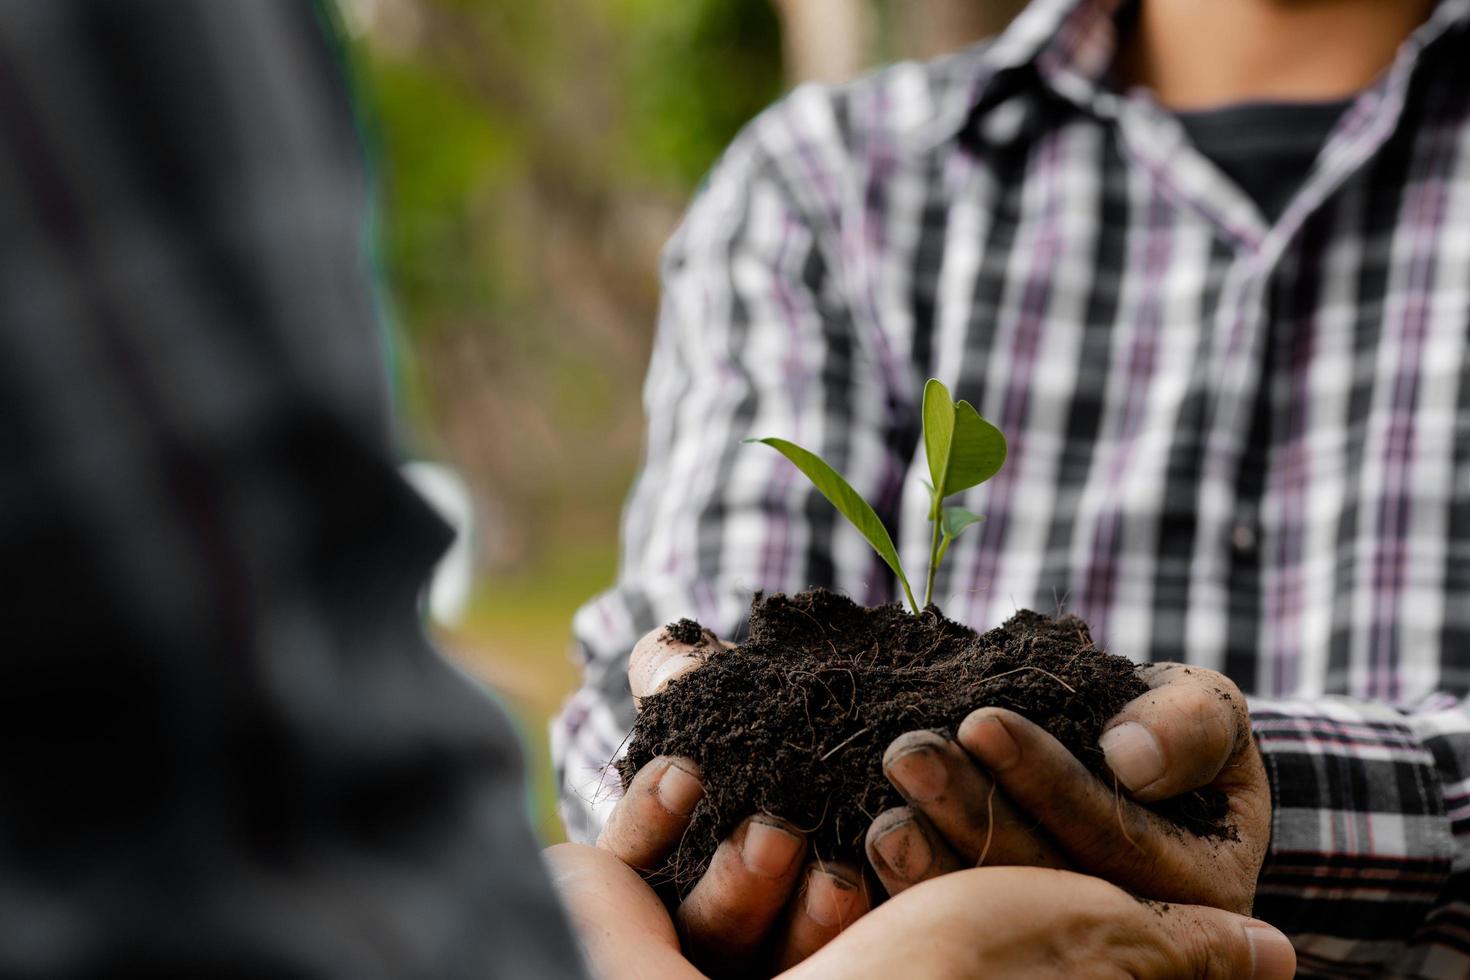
[[532, 158]]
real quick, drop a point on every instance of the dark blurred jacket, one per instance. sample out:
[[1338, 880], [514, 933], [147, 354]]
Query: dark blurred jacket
[[226, 748]]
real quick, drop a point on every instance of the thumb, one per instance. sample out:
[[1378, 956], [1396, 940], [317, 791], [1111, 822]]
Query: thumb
[[1178, 736], [667, 653], [621, 923], [1025, 922], [1198, 941]]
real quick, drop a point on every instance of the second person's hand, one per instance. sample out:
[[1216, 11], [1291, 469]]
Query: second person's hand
[[991, 923], [762, 903]]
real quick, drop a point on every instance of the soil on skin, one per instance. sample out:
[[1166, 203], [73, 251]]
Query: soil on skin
[[794, 721]]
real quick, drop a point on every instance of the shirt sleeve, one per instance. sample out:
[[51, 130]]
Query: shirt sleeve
[[754, 339], [228, 748], [1369, 864]]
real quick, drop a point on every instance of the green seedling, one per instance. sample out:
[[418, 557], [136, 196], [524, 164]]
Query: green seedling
[[963, 451]]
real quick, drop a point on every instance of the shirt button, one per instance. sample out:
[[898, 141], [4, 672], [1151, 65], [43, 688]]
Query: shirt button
[[1243, 538]]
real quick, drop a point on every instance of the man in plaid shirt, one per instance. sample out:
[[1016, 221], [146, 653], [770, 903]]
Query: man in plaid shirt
[[1208, 267], [228, 749]]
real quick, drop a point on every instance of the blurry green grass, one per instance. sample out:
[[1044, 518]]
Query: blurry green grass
[[517, 637]]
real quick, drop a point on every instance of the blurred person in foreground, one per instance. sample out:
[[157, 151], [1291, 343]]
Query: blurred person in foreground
[[226, 748], [1207, 265]]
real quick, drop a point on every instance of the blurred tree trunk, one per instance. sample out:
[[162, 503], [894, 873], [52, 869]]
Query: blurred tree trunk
[[832, 40], [826, 40], [928, 28]]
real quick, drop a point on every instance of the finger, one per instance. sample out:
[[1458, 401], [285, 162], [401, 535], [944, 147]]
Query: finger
[[1100, 831], [1153, 941], [1198, 941], [623, 926], [1179, 736], [941, 781], [653, 813], [659, 658], [832, 897], [727, 916], [904, 850]]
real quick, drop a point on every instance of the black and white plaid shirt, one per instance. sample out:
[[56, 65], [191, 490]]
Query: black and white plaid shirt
[[1237, 443]]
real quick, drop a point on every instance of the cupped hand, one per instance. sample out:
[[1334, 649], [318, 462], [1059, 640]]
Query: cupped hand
[[761, 902], [1004, 792], [1040, 922], [985, 922]]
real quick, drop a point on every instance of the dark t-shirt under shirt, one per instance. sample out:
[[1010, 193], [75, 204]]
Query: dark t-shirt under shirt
[[1266, 148]]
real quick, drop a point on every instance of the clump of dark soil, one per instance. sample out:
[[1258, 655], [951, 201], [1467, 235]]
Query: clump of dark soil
[[794, 721]]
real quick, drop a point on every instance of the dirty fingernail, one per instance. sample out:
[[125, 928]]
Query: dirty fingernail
[[679, 790], [1272, 956], [905, 850], [1133, 754], [769, 850], [992, 740], [670, 669], [830, 900], [920, 774]]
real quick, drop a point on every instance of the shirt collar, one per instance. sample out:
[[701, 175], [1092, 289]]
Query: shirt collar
[[1067, 48], [1068, 45]]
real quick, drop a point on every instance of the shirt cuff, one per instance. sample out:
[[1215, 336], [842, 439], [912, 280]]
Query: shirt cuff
[[1360, 843]]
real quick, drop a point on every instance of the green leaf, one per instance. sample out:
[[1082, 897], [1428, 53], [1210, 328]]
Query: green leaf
[[954, 522], [848, 501], [939, 428], [978, 453], [956, 519]]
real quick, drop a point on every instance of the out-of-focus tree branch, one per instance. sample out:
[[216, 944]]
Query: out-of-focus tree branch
[[826, 40], [933, 27], [833, 40]]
